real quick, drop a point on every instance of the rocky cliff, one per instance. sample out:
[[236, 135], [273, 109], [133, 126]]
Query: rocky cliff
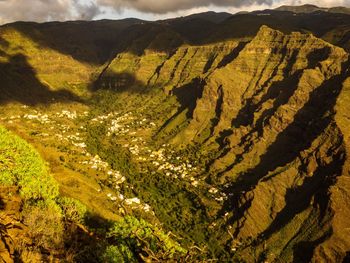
[[274, 110]]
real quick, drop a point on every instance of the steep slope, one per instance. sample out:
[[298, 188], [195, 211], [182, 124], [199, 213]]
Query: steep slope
[[281, 151], [69, 56], [32, 74], [246, 26], [62, 60], [174, 68], [90, 42], [267, 110], [96, 42]]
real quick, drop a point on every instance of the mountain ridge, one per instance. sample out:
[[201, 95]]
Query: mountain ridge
[[310, 63], [307, 8]]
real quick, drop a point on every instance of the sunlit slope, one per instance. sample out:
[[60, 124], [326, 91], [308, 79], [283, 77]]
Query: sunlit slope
[[266, 107], [50, 66]]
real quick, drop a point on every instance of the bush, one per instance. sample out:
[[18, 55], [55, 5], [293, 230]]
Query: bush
[[73, 210], [117, 254], [6, 178], [44, 188], [45, 225], [144, 239], [23, 166]]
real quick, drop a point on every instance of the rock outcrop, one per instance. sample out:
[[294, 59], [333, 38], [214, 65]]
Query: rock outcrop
[[11, 229]]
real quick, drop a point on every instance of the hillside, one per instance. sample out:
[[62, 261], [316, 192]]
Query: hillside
[[313, 8], [267, 108], [189, 139]]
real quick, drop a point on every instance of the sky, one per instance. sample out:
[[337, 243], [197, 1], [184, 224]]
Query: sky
[[61, 10]]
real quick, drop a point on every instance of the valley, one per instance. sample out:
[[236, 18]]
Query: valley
[[182, 145]]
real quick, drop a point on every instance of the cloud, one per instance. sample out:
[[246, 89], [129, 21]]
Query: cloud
[[46, 10], [87, 11], [49, 10], [165, 6]]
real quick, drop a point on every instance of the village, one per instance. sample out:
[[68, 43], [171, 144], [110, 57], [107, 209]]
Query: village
[[68, 128]]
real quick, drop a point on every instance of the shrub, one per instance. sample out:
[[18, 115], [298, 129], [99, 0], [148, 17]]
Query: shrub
[[73, 210], [45, 226], [117, 254], [6, 178], [23, 166], [36, 188], [145, 239]]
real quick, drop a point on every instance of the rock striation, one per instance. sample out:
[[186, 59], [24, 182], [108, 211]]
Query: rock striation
[[275, 110]]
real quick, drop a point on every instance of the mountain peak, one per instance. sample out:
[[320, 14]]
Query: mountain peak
[[266, 31]]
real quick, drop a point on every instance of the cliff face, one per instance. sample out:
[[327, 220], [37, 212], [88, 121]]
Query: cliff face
[[172, 68], [275, 111]]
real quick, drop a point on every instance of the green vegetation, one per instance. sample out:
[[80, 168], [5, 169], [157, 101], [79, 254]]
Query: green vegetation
[[43, 211], [21, 165], [174, 203], [133, 238], [48, 216], [73, 210]]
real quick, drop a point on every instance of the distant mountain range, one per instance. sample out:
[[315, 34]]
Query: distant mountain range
[[313, 8]]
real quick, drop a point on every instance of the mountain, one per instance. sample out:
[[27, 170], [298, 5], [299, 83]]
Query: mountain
[[268, 108], [208, 137], [312, 8], [301, 9], [214, 17]]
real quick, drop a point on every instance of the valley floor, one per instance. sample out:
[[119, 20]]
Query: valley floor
[[113, 162]]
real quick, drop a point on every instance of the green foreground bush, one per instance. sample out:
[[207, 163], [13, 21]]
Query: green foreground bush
[[135, 238], [44, 212], [21, 165], [73, 210]]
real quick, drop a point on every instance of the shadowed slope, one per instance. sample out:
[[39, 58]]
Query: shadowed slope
[[19, 83], [96, 42]]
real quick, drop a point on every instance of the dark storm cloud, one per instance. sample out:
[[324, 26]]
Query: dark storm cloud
[[87, 11], [164, 6]]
